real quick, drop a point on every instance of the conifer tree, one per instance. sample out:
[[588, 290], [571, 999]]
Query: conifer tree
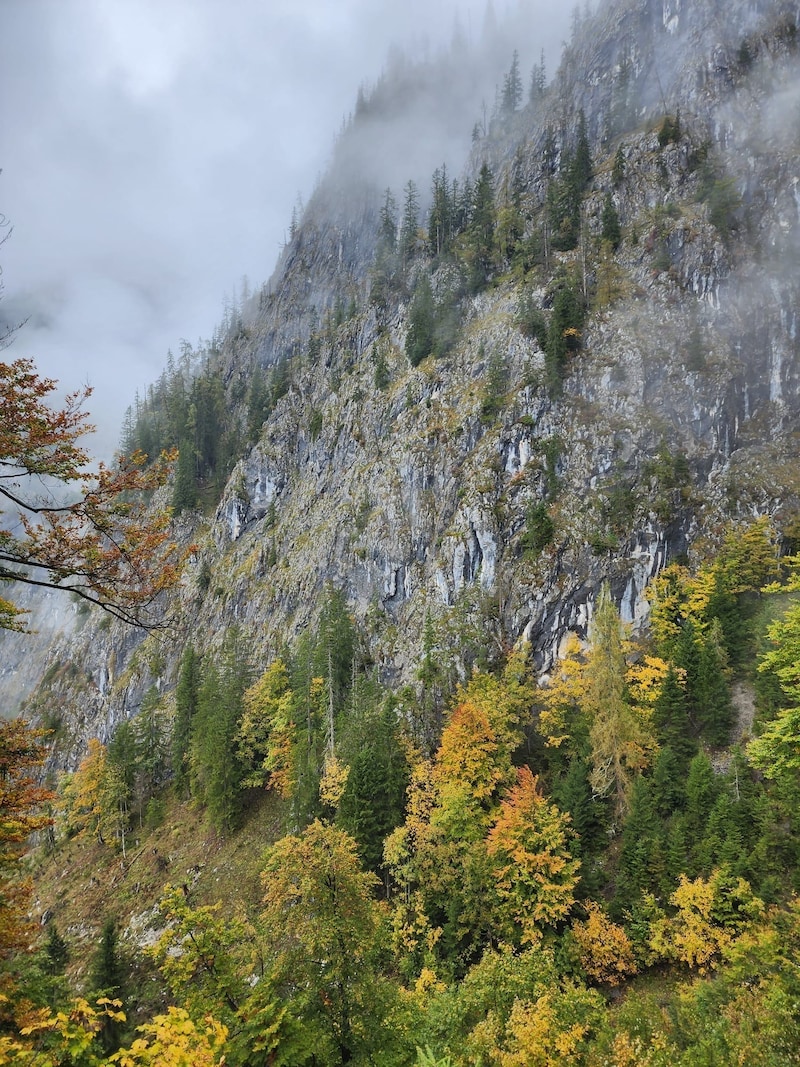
[[409, 226], [618, 169], [108, 978], [482, 228], [185, 708], [612, 231], [421, 322], [217, 772], [616, 736], [581, 169], [671, 718], [512, 87], [715, 709]]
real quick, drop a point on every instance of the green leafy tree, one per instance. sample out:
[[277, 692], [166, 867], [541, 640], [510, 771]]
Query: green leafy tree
[[323, 928]]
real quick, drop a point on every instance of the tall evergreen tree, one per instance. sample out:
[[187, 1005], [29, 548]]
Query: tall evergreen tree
[[611, 232], [512, 87], [184, 496], [421, 322], [217, 770], [185, 708], [671, 718], [409, 227], [482, 228], [581, 169], [715, 708], [109, 979]]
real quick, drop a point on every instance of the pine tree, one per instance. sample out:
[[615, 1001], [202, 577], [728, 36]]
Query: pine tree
[[257, 403], [108, 979], [440, 220], [374, 798], [56, 951], [581, 169], [538, 80], [563, 335], [150, 736], [715, 709], [638, 846]]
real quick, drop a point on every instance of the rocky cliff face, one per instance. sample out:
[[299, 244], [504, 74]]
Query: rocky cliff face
[[419, 495]]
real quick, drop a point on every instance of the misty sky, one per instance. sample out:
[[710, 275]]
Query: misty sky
[[151, 154]]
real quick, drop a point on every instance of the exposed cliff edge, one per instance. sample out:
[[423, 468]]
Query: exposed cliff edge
[[472, 488]]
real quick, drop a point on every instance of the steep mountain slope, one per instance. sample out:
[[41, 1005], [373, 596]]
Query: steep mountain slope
[[492, 487]]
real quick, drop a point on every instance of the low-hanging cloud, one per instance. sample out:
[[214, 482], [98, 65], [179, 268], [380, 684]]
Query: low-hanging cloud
[[152, 154]]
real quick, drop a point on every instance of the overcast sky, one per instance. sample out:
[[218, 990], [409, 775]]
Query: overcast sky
[[151, 154]]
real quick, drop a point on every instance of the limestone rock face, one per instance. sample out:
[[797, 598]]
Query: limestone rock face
[[419, 495]]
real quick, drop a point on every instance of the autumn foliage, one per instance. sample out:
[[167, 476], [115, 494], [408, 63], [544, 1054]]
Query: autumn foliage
[[88, 530]]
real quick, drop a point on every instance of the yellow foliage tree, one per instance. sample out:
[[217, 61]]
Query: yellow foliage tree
[[562, 714], [619, 739], [267, 731], [711, 914], [175, 1040], [606, 953], [535, 875], [94, 800], [552, 1030], [47, 1038]]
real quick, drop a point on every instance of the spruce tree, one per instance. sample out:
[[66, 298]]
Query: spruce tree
[[56, 951], [639, 843], [184, 497], [421, 322], [185, 708], [108, 979], [618, 169], [512, 87], [217, 770], [409, 227], [482, 228], [671, 719], [715, 709], [612, 231], [581, 169]]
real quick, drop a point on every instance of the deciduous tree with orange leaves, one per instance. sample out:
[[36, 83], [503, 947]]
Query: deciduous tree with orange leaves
[[71, 525]]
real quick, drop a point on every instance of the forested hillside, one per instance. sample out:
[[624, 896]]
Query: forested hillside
[[466, 732]]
